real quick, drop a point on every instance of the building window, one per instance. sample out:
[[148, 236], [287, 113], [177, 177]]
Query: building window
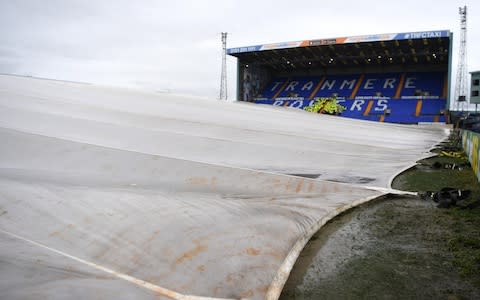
[[476, 82], [474, 93]]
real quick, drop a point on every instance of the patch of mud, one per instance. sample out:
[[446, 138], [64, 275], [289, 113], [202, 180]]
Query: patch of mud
[[386, 249], [351, 179], [312, 176]]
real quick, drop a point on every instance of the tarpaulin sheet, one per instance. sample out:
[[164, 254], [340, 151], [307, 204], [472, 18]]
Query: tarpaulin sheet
[[117, 193]]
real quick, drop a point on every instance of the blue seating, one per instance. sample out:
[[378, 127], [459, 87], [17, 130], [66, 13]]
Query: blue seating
[[299, 87], [400, 93], [419, 85], [423, 84], [384, 85], [432, 107], [272, 88], [402, 107], [341, 86]]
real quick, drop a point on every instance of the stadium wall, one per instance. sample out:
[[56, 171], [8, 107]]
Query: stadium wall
[[470, 141]]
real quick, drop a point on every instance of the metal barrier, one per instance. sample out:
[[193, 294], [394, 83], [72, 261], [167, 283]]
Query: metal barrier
[[470, 145]]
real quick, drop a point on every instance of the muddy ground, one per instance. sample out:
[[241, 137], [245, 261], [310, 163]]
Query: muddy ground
[[397, 247]]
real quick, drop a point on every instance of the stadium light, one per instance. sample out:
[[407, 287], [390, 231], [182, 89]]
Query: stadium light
[[223, 76]]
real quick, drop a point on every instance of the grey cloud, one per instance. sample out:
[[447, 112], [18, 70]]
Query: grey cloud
[[175, 45]]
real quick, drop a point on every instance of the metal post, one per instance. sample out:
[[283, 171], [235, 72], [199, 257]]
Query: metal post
[[462, 76], [223, 78]]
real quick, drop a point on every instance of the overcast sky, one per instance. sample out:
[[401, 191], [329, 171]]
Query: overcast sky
[[175, 45]]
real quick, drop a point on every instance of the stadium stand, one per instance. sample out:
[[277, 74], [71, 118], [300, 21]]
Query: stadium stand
[[391, 97], [391, 77]]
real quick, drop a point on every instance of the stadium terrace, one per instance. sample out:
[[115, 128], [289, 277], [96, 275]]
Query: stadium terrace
[[394, 77]]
